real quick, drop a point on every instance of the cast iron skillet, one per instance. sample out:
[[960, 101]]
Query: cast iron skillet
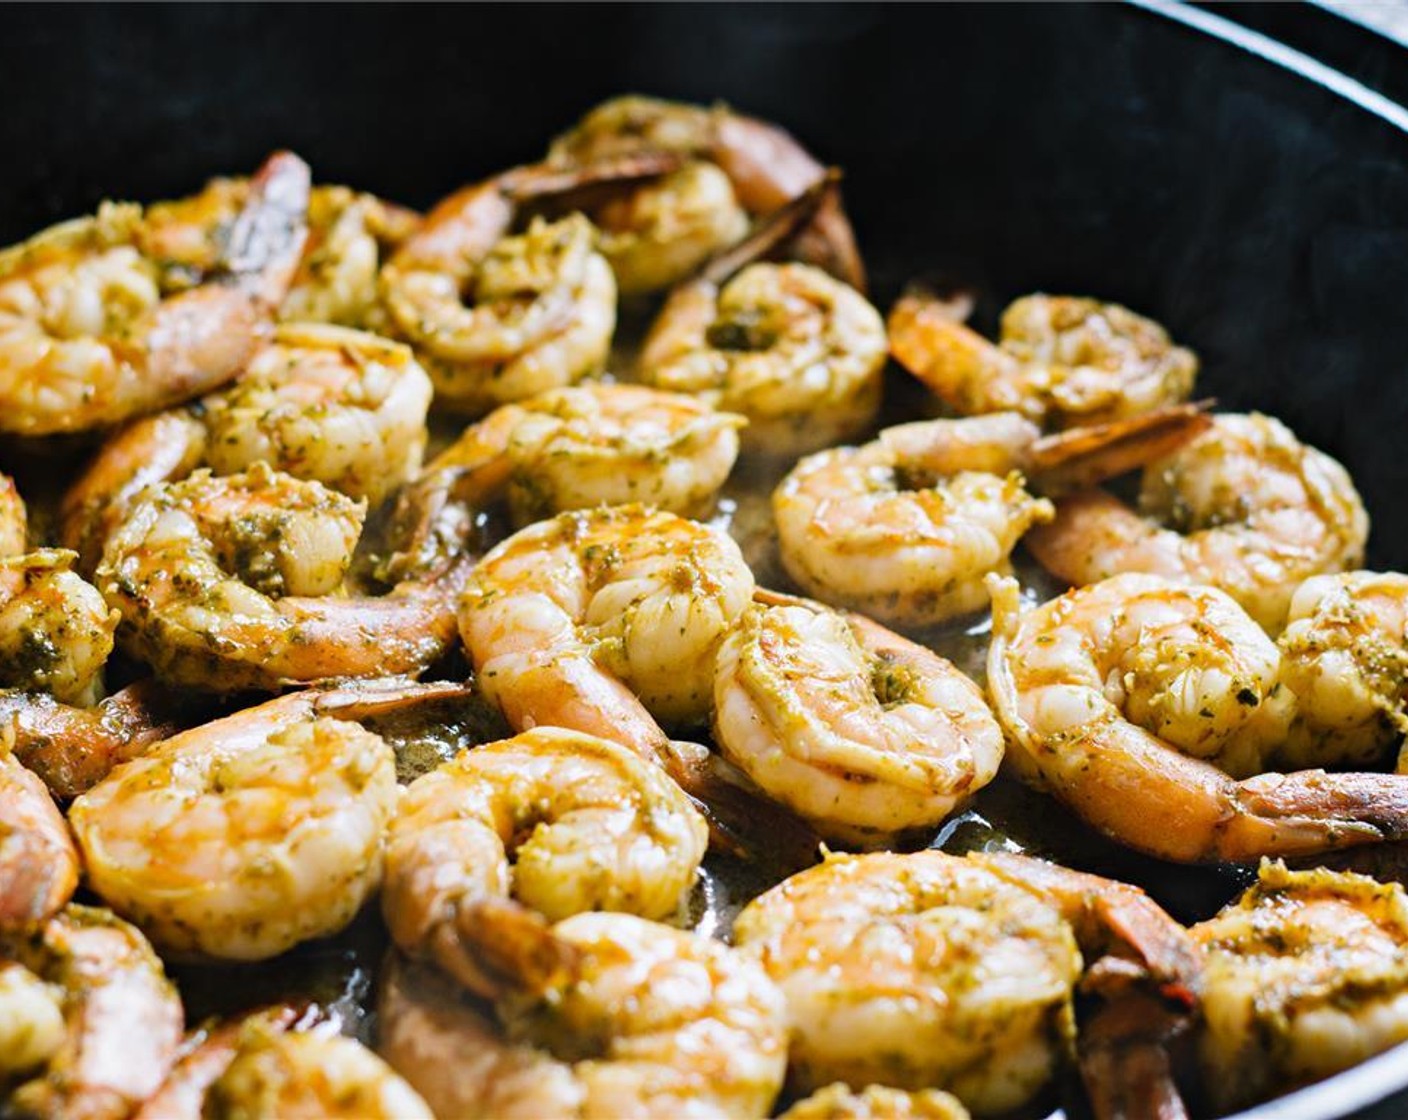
[[1109, 150]]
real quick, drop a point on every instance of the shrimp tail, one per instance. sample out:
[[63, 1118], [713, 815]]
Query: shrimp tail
[[1125, 1060], [1312, 811], [495, 947], [743, 822], [1086, 456], [573, 186], [266, 240], [778, 228]]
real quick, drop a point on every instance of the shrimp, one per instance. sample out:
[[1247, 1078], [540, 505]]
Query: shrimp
[[122, 1017], [321, 403], [1139, 703], [225, 583], [906, 528], [543, 303], [349, 234], [857, 730], [934, 971], [587, 824], [1307, 975], [590, 445], [1245, 507], [796, 352], [877, 1102], [652, 1022], [765, 166], [56, 632], [72, 749], [1345, 656], [570, 620], [38, 860], [310, 1075], [88, 338], [246, 836], [1061, 361], [14, 522]]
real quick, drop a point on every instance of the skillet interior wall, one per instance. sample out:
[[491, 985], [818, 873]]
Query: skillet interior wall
[[1083, 149]]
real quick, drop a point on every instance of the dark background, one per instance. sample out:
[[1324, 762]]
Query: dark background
[[1100, 150]]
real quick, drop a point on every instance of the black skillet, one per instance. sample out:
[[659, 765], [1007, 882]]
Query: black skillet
[[1253, 201]]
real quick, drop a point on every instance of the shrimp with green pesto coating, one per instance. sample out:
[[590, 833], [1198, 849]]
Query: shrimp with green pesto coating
[[556, 821], [241, 838]]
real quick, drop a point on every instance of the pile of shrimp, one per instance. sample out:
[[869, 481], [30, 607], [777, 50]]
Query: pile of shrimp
[[636, 724]]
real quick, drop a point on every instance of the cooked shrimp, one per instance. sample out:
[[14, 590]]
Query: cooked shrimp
[[766, 167], [559, 821], [14, 523], [349, 233], [320, 403], [796, 352], [38, 861], [1061, 360], [877, 1102], [1307, 975], [652, 1022], [590, 445], [906, 528], [308, 1075], [933, 971], [857, 730], [122, 1017], [542, 304], [1345, 656], [72, 749], [571, 620], [878, 529], [225, 583], [56, 632], [246, 836], [88, 337], [1139, 702], [1245, 507]]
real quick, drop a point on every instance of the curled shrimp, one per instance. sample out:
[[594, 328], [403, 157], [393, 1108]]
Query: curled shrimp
[[31, 1022], [1345, 656], [1061, 360], [765, 167], [321, 403], [907, 527], [72, 749], [559, 821], [121, 1017], [38, 860], [14, 521], [857, 730], [798, 353], [1245, 507], [934, 971], [1139, 703], [542, 304], [1306, 975], [88, 338], [605, 621], [652, 1021], [226, 583], [349, 235], [246, 836], [877, 1102], [310, 1075], [570, 449], [56, 632]]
